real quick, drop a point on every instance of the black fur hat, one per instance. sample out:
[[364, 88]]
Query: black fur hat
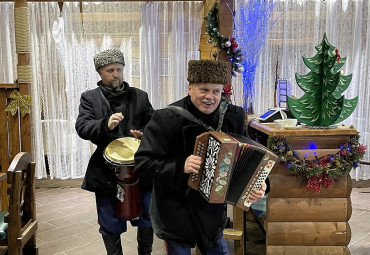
[[208, 71]]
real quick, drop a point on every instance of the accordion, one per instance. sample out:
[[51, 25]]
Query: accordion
[[232, 167]]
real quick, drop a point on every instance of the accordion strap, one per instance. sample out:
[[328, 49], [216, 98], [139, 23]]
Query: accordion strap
[[185, 113]]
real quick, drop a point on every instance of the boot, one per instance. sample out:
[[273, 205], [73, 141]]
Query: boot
[[144, 240], [112, 244]]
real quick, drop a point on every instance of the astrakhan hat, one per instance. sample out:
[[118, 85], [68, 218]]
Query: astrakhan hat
[[208, 71], [108, 57]]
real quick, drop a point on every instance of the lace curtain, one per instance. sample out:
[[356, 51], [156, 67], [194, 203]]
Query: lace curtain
[[300, 25], [8, 64], [167, 47]]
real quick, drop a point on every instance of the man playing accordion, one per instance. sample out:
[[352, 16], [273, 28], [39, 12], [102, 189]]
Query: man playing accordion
[[179, 214]]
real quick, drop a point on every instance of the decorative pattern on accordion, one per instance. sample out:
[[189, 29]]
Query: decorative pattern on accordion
[[225, 167], [210, 163]]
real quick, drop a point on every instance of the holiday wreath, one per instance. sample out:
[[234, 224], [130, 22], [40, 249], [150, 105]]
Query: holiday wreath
[[324, 170]]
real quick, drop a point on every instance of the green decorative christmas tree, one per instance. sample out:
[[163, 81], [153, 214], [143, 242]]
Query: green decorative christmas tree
[[322, 104]]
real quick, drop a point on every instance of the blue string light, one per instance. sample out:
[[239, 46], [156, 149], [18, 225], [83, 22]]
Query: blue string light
[[313, 146], [251, 32]]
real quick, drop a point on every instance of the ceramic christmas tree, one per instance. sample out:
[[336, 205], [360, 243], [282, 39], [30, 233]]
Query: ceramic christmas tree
[[322, 105]]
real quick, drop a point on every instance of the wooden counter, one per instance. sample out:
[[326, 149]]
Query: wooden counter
[[270, 128], [301, 221]]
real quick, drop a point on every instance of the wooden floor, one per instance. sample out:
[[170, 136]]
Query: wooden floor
[[68, 222]]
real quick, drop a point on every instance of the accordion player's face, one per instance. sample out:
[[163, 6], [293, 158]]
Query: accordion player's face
[[205, 96]]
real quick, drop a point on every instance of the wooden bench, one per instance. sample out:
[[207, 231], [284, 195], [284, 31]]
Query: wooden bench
[[21, 216]]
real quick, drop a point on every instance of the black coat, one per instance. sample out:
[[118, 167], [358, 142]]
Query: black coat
[[92, 124], [179, 213]]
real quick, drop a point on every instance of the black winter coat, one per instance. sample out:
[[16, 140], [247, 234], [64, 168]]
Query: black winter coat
[[179, 213], [92, 124]]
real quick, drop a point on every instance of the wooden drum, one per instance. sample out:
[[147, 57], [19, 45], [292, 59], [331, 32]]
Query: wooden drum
[[119, 155]]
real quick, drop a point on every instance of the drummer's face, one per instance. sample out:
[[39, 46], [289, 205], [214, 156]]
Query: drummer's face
[[205, 96], [112, 75]]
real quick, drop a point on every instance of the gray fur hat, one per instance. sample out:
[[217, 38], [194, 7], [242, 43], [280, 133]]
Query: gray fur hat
[[209, 71], [108, 57]]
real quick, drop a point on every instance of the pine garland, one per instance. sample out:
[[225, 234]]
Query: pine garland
[[226, 44], [324, 170]]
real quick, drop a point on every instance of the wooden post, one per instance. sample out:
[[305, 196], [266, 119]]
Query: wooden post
[[225, 23], [24, 83], [205, 48]]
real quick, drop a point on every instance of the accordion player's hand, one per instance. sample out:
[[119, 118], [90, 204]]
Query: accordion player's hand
[[192, 164], [257, 195]]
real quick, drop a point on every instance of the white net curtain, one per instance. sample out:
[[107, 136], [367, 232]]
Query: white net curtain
[[300, 26], [158, 38], [8, 66]]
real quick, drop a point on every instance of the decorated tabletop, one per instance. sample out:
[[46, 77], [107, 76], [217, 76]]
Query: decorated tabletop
[[271, 128], [322, 169]]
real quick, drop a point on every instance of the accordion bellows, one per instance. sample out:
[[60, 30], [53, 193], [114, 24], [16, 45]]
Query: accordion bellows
[[231, 169]]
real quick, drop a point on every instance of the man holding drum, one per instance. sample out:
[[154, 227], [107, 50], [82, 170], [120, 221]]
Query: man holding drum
[[179, 214], [106, 113]]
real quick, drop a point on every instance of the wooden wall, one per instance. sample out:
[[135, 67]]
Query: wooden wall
[[14, 136]]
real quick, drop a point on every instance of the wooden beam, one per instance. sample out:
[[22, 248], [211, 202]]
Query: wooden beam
[[9, 86], [60, 4]]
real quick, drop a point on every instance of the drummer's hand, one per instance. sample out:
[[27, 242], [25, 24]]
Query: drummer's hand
[[192, 164], [114, 119], [257, 195], [136, 133]]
